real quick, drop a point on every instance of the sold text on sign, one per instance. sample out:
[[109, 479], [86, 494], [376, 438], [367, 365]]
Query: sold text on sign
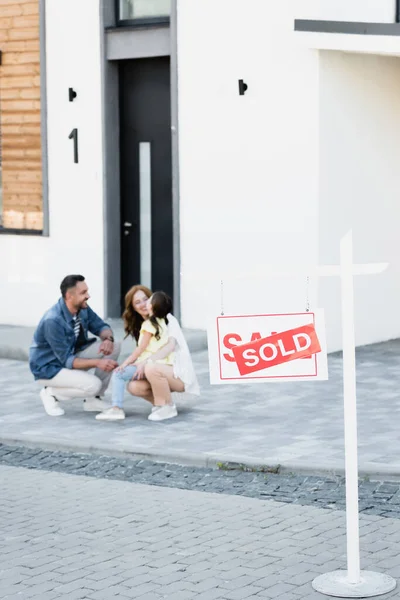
[[276, 349]]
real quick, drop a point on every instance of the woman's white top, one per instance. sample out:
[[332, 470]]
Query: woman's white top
[[183, 365]]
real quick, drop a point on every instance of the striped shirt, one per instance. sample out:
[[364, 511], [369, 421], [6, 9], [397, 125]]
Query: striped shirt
[[77, 325]]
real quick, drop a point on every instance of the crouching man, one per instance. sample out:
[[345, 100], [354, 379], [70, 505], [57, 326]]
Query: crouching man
[[61, 353]]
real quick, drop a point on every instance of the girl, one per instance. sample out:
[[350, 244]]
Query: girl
[[153, 336]]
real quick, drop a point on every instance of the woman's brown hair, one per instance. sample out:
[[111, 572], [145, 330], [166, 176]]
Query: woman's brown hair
[[132, 320]]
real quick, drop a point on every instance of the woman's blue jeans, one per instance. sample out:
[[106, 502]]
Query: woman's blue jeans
[[119, 380]]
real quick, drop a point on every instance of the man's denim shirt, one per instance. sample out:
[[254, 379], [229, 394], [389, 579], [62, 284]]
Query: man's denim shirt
[[53, 345]]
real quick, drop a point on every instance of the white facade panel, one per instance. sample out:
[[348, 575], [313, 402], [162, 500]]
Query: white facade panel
[[248, 164], [360, 187], [32, 268]]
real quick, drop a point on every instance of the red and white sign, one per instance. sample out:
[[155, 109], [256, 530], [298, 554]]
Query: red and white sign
[[270, 347]]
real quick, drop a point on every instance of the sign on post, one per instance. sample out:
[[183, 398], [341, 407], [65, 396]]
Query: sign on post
[[267, 347]]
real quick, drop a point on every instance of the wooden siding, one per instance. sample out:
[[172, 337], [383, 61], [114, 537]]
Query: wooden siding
[[21, 151]]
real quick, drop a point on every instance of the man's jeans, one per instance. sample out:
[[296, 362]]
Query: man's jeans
[[76, 383], [119, 381]]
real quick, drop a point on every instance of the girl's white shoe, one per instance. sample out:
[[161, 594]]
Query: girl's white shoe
[[111, 414], [162, 413]]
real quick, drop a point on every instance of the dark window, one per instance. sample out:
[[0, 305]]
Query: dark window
[[131, 12]]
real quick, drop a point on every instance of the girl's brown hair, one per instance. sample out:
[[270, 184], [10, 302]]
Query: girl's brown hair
[[161, 305], [132, 320]]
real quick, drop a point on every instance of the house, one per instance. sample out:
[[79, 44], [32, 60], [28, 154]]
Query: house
[[188, 145]]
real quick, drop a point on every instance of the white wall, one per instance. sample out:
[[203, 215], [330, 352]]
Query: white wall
[[366, 11], [360, 186], [248, 164], [31, 268]]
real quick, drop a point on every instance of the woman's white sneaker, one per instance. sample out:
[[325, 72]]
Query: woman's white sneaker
[[164, 412], [111, 414], [50, 403]]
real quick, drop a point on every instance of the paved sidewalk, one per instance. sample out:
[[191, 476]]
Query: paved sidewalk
[[296, 425], [80, 538]]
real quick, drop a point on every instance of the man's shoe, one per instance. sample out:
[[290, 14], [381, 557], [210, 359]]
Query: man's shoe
[[111, 414], [164, 412], [95, 404], [50, 403]]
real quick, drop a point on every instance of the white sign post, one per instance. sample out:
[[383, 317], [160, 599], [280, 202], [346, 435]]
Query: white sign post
[[352, 583]]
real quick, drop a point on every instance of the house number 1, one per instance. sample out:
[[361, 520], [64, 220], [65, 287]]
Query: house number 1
[[74, 136]]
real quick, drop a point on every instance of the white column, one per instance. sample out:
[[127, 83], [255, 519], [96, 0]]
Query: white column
[[350, 408]]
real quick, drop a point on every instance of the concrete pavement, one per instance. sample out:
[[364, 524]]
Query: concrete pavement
[[80, 538], [296, 425]]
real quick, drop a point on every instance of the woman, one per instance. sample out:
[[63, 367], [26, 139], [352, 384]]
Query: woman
[[152, 380]]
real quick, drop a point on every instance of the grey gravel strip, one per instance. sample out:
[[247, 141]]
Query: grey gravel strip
[[376, 498]]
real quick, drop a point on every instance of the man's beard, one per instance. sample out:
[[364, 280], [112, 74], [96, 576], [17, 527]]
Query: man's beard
[[82, 305]]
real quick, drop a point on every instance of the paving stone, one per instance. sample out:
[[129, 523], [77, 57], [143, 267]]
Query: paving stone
[[12, 590], [239, 582], [248, 591], [212, 594], [301, 578], [277, 590], [79, 594], [183, 595], [147, 596]]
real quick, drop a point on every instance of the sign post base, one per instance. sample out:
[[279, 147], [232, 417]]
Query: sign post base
[[371, 584]]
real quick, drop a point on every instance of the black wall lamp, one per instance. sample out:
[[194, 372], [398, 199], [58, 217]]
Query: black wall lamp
[[243, 86], [71, 94]]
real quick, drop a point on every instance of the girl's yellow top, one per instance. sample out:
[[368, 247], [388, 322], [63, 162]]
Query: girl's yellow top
[[154, 344]]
